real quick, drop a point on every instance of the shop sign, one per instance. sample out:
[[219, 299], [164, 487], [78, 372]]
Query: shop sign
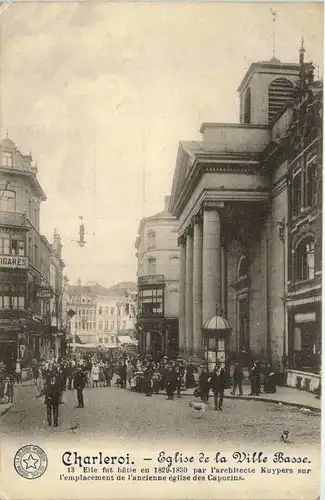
[[11, 262], [155, 279], [44, 293]]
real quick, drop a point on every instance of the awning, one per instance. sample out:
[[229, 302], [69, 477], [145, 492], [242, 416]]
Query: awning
[[125, 339]]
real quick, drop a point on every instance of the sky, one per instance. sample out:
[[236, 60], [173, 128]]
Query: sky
[[101, 93]]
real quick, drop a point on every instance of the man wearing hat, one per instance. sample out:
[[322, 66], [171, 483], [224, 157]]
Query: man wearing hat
[[52, 396], [218, 382]]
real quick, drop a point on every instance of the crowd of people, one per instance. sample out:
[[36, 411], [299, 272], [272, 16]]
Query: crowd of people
[[128, 370]]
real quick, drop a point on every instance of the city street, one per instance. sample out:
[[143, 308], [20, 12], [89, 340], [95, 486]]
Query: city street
[[123, 414]]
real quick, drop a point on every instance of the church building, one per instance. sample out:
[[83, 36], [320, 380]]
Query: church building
[[241, 258]]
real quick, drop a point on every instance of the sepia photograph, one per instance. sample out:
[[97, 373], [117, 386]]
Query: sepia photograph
[[161, 250]]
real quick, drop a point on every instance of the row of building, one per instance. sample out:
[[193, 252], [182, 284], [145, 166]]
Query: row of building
[[238, 247], [33, 286], [105, 316], [41, 315]]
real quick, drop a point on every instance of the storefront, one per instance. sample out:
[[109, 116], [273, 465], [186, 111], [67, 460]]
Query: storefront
[[304, 343]]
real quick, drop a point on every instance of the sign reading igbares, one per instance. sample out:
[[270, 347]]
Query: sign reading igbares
[[13, 262]]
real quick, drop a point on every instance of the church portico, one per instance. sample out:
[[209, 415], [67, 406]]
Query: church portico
[[220, 239]]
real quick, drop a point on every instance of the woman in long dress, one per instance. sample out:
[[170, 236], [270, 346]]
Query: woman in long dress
[[95, 374]]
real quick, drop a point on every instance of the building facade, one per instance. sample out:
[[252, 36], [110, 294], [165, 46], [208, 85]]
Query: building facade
[[25, 263], [102, 314], [232, 195], [158, 287]]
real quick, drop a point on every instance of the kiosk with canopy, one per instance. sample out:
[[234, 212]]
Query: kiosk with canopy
[[216, 340]]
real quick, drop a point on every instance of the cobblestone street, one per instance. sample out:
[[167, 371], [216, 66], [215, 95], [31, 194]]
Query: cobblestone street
[[126, 415]]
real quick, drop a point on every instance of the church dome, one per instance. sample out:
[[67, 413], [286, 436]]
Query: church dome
[[7, 143]]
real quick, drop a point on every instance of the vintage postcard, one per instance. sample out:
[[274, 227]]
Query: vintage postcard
[[160, 250]]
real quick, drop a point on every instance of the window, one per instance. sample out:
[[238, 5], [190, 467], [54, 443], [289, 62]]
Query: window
[[243, 267], [112, 311], [112, 326], [106, 326], [112, 339], [12, 244], [311, 185], [151, 239], [124, 325], [12, 296], [7, 201], [151, 302], [6, 160], [247, 106], [151, 266], [4, 244], [100, 310], [100, 325], [296, 193], [280, 92], [106, 311], [305, 260]]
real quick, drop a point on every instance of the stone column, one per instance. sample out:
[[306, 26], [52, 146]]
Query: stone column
[[182, 291], [189, 292], [211, 279], [197, 286]]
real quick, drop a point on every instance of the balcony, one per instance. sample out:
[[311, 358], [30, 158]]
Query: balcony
[[12, 219], [151, 279]]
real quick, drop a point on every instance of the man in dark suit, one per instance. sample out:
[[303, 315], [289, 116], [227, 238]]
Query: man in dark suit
[[80, 378], [52, 397], [218, 382]]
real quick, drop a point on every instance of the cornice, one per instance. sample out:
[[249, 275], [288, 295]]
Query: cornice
[[238, 167]]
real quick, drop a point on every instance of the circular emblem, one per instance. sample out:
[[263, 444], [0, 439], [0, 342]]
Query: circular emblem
[[30, 461]]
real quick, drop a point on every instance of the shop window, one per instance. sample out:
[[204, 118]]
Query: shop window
[[296, 194], [151, 302], [7, 201], [305, 260]]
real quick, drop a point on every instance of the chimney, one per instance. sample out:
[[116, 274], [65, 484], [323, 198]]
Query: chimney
[[167, 198]]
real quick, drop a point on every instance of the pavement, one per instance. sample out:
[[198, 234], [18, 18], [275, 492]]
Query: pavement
[[125, 415], [284, 395]]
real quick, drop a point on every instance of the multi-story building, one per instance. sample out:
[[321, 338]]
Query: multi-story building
[[25, 262], [158, 273], [102, 314], [300, 145], [249, 223]]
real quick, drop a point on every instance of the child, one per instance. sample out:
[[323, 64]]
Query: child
[[9, 388]]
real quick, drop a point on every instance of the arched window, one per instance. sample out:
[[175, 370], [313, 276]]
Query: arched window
[[242, 270], [280, 92], [7, 201], [305, 259], [247, 106], [151, 239]]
